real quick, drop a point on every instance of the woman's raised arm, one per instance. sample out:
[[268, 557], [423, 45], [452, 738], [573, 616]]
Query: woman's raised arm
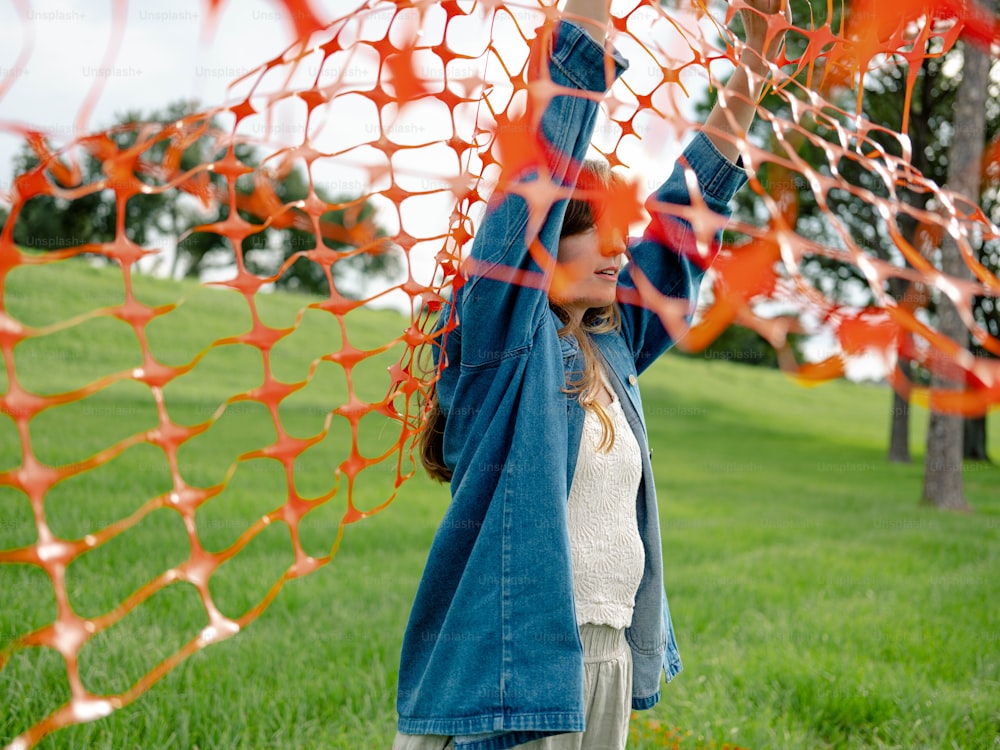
[[512, 257], [666, 256], [736, 107]]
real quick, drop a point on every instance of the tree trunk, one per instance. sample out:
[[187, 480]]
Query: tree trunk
[[974, 444], [175, 229], [943, 485], [899, 433], [899, 429], [919, 131]]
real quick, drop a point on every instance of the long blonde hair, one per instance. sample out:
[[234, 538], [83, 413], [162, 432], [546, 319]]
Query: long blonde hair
[[588, 386], [583, 211]]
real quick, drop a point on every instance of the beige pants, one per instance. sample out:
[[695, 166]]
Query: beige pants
[[607, 685]]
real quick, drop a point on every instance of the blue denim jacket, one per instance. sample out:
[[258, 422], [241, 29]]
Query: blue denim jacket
[[492, 653]]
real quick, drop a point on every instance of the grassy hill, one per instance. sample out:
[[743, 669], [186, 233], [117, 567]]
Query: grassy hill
[[817, 603]]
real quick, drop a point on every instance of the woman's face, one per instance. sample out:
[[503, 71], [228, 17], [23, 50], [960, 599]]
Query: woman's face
[[587, 274]]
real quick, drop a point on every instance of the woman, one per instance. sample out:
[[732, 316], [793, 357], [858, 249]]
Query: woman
[[541, 616]]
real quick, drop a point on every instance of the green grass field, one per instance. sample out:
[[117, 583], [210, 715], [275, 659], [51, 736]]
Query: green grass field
[[817, 603]]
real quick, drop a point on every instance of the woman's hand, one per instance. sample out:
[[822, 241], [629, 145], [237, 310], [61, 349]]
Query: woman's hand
[[763, 43], [734, 112]]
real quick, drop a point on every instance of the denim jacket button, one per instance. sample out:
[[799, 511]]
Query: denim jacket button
[[632, 380]]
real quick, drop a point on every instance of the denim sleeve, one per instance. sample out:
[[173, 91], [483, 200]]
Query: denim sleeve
[[667, 255], [510, 267]]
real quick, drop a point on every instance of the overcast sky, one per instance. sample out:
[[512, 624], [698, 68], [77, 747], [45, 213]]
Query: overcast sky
[[163, 58], [55, 53]]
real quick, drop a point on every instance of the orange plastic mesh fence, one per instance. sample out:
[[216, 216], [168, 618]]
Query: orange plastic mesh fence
[[406, 106]]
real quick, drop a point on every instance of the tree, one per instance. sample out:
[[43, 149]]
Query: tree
[[151, 153], [932, 96], [47, 222], [347, 227], [168, 150], [269, 196], [929, 125], [986, 309], [943, 484], [987, 313]]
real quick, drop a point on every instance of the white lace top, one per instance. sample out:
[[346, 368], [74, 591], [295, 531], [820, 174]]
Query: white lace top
[[604, 536]]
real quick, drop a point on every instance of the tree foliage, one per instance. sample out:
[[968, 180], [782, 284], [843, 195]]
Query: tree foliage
[[170, 152], [349, 240], [928, 118]]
